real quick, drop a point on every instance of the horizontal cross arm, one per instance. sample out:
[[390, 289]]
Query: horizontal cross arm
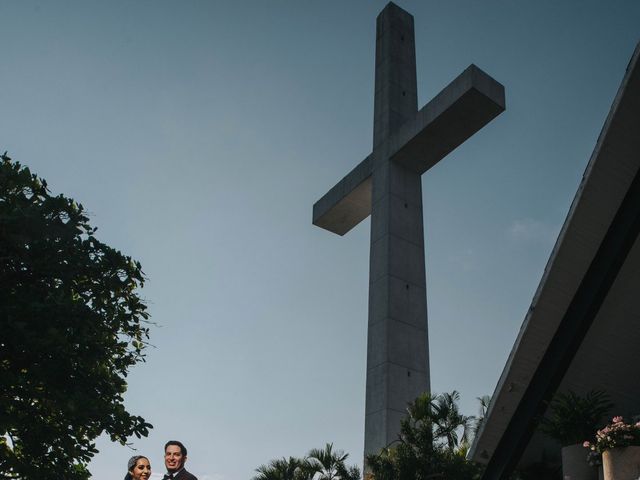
[[348, 202], [462, 108]]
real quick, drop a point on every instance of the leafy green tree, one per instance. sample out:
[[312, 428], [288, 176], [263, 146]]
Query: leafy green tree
[[72, 326]]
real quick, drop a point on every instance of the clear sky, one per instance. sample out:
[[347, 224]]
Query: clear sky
[[199, 135]]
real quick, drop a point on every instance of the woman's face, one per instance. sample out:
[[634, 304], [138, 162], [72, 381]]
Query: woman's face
[[141, 470]]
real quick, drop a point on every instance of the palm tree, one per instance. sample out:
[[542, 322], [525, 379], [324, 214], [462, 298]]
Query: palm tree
[[327, 464], [484, 400], [282, 469], [448, 420], [421, 409]]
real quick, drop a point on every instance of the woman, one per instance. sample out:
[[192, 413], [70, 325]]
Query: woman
[[138, 468]]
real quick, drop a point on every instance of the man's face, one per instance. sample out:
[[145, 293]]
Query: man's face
[[173, 458]]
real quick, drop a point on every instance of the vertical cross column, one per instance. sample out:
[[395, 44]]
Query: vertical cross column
[[397, 344]]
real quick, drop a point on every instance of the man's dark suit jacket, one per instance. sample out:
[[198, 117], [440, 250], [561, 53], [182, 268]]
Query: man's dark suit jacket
[[184, 475]]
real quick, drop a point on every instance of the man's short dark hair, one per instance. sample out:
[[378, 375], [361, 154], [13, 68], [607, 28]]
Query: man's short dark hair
[[183, 449]]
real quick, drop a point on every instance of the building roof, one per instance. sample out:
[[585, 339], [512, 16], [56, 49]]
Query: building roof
[[582, 329]]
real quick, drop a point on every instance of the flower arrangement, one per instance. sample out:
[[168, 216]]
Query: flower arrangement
[[594, 459], [617, 434]]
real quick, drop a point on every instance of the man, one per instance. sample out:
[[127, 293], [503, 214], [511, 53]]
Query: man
[[175, 456]]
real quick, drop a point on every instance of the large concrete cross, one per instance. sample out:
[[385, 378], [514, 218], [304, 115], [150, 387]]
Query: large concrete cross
[[387, 185]]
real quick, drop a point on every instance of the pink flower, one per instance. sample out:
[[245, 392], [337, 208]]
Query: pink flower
[[617, 419], [586, 444]]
